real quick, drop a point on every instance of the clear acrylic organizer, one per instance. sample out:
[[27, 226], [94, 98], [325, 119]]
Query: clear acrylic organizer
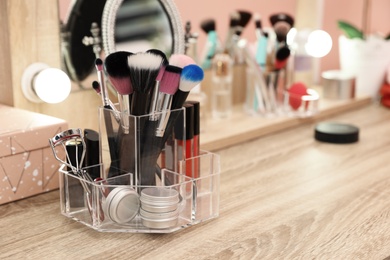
[[176, 192], [270, 98]]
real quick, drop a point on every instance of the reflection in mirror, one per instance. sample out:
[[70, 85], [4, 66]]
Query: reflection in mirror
[[141, 25], [80, 38], [132, 25], [138, 25]]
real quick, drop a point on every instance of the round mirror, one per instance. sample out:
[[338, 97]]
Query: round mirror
[[114, 25], [138, 25]]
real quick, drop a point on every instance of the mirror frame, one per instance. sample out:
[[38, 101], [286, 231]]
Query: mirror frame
[[108, 25]]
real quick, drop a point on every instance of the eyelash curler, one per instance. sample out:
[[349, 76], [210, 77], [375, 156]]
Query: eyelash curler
[[65, 139]]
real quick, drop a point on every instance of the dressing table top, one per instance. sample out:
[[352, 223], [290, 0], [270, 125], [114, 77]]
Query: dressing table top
[[283, 196]]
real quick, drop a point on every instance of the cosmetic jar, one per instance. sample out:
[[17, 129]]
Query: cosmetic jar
[[159, 196], [159, 223], [337, 133], [121, 205], [159, 207], [338, 84]]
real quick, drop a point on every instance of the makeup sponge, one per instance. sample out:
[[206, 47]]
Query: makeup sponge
[[296, 91]]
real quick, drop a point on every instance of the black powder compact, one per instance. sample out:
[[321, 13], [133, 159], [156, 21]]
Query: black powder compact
[[336, 133]]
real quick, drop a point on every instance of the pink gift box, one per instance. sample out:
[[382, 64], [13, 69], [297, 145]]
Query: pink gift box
[[27, 164]]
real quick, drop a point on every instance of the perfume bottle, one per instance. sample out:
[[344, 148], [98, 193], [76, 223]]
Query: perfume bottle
[[222, 78]]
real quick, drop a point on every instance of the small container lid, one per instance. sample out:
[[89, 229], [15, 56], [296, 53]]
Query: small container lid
[[122, 205], [337, 133], [159, 196]]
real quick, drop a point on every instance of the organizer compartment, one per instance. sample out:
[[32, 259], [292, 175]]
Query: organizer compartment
[[116, 204]]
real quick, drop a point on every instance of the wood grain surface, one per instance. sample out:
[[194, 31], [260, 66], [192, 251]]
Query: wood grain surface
[[283, 196]]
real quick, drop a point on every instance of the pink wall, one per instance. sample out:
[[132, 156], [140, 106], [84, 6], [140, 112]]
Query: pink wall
[[349, 10], [197, 11], [352, 11]]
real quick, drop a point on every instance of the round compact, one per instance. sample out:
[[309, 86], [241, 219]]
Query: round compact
[[159, 207], [122, 205], [336, 133]]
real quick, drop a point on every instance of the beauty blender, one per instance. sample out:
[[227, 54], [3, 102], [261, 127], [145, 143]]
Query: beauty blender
[[296, 91]]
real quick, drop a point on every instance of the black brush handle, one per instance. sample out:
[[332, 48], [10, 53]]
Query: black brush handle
[[140, 103], [150, 152], [126, 150], [112, 140], [179, 98]]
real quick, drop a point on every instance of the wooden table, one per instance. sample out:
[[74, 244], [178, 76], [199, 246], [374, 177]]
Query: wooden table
[[283, 196]]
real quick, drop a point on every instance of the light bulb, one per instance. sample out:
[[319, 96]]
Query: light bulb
[[40, 83], [52, 85], [319, 44]]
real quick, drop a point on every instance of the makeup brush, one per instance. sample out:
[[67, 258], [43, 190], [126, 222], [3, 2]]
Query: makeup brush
[[180, 60], [258, 26], [103, 88], [281, 23], [234, 20], [281, 58], [108, 111], [208, 26], [119, 72], [191, 76], [119, 76], [245, 17], [144, 69], [155, 129], [169, 85], [233, 50], [96, 87], [156, 88]]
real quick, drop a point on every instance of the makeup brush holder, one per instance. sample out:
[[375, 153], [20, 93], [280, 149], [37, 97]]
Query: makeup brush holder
[[271, 98], [171, 196], [300, 105]]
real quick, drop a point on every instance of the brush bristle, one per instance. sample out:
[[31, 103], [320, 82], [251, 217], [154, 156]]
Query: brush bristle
[[283, 53], [191, 76], [275, 18], [99, 64], [170, 80], [208, 25], [245, 17], [119, 72], [281, 29], [234, 19], [180, 60], [96, 86], [164, 62], [144, 68], [257, 19], [116, 64]]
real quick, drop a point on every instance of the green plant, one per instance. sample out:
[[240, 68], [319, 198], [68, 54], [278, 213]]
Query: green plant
[[350, 31]]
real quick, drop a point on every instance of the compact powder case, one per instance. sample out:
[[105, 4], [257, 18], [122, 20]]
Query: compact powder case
[[336, 133]]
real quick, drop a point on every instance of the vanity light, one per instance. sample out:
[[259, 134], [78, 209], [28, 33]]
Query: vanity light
[[40, 83], [319, 44]]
